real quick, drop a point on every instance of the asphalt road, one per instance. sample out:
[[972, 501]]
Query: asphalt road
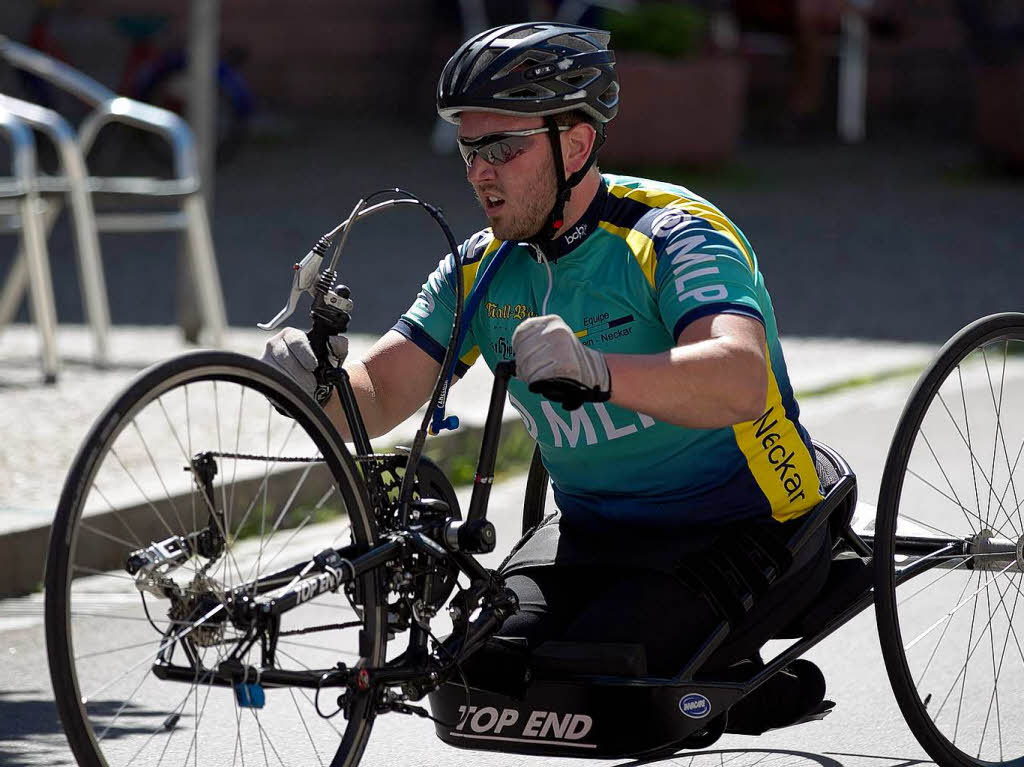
[[865, 729]]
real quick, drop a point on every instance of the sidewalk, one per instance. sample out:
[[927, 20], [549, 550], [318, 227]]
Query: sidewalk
[[44, 426]]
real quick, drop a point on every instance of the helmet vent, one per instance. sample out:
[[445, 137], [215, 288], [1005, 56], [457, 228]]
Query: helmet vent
[[580, 79], [610, 97], [535, 68], [485, 58], [526, 62], [571, 41], [533, 92]]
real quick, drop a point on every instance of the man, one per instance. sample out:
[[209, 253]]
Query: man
[[645, 300]]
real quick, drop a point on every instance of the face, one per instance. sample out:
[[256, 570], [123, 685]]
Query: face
[[517, 195]]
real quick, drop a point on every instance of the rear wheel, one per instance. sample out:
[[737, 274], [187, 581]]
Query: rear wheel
[[949, 550], [199, 449]]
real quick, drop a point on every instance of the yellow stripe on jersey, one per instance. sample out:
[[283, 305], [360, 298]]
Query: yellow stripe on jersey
[[777, 457], [469, 273], [639, 244], [657, 198], [470, 269], [721, 224]]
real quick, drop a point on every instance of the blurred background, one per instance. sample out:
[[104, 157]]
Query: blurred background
[[872, 152]]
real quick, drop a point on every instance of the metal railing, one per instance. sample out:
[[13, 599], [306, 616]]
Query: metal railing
[[74, 184], [184, 190], [20, 190]]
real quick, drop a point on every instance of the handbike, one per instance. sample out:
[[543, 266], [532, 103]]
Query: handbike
[[185, 543]]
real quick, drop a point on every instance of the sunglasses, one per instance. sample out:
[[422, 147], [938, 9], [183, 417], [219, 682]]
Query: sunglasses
[[499, 148]]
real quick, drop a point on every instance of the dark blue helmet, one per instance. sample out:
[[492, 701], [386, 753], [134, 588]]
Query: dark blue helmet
[[533, 69]]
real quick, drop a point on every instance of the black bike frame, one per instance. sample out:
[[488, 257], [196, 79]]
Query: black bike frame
[[308, 580]]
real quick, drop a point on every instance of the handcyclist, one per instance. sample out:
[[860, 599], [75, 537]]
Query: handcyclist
[[646, 301]]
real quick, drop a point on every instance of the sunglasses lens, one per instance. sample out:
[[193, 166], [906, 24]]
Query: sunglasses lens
[[502, 151], [496, 152], [468, 153]]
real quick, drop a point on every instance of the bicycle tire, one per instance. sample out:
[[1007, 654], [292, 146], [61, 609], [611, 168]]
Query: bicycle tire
[[918, 500], [96, 617]]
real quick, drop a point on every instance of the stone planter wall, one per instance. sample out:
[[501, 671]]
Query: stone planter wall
[[676, 112]]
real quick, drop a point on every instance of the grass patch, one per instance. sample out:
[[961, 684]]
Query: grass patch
[[859, 381], [294, 518], [457, 452]]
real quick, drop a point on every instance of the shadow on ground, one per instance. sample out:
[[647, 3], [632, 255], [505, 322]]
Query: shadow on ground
[[29, 714]]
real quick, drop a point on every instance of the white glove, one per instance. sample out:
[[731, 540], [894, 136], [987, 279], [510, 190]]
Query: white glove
[[547, 350], [289, 351]]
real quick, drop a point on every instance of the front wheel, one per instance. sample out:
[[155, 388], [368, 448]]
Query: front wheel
[[949, 550], [210, 472]]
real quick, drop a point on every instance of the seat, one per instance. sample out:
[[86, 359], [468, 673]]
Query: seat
[[736, 583]]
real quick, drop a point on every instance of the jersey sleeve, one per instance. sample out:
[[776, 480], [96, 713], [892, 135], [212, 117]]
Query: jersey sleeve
[[428, 322], [702, 270]]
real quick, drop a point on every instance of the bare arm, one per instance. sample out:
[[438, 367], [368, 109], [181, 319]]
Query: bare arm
[[391, 382], [716, 376]]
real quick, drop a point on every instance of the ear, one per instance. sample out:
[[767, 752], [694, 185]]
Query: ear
[[576, 145]]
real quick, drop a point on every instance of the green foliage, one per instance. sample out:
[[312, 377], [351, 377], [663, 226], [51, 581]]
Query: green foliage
[[262, 518], [675, 30], [457, 453]]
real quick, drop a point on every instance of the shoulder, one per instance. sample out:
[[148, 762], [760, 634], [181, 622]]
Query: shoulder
[[666, 214], [654, 208], [471, 252], [478, 245]]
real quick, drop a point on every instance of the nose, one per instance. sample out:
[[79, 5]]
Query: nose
[[480, 170]]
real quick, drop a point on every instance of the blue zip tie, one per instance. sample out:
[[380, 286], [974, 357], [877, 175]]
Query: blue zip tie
[[249, 695]]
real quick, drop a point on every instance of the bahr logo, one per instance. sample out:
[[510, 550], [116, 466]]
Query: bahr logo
[[577, 234], [695, 705]]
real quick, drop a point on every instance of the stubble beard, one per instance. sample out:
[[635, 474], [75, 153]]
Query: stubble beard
[[535, 206]]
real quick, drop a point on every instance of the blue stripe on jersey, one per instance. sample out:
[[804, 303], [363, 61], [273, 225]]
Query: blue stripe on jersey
[[708, 310], [419, 337]]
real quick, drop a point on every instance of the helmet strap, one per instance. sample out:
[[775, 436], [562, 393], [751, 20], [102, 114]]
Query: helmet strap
[[563, 185]]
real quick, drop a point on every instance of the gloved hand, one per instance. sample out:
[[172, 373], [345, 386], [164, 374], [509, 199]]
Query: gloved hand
[[551, 359], [289, 351]]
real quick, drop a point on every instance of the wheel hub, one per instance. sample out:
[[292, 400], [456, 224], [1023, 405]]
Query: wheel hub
[[203, 595], [995, 553]]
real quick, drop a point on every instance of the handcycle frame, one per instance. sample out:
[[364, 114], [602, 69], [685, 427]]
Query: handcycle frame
[[581, 713]]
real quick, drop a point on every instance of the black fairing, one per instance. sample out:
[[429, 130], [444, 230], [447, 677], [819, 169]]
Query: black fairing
[[587, 717]]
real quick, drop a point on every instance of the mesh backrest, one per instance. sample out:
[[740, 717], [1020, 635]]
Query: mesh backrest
[[828, 472]]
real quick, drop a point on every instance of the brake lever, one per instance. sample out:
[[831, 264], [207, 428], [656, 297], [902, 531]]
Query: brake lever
[[307, 272]]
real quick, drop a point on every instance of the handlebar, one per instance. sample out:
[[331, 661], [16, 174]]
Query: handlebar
[[569, 394]]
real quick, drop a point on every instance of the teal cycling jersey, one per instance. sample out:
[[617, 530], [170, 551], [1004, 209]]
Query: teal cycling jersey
[[644, 261]]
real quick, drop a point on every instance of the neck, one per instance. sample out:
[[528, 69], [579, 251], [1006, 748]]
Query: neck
[[580, 199]]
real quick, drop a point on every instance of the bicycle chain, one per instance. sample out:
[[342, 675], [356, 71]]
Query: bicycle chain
[[315, 629], [299, 459], [276, 459]]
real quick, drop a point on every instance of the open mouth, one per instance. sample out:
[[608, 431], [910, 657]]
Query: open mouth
[[492, 203]]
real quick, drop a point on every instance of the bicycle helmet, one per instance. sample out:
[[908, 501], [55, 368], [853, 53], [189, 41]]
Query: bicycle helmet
[[536, 69]]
